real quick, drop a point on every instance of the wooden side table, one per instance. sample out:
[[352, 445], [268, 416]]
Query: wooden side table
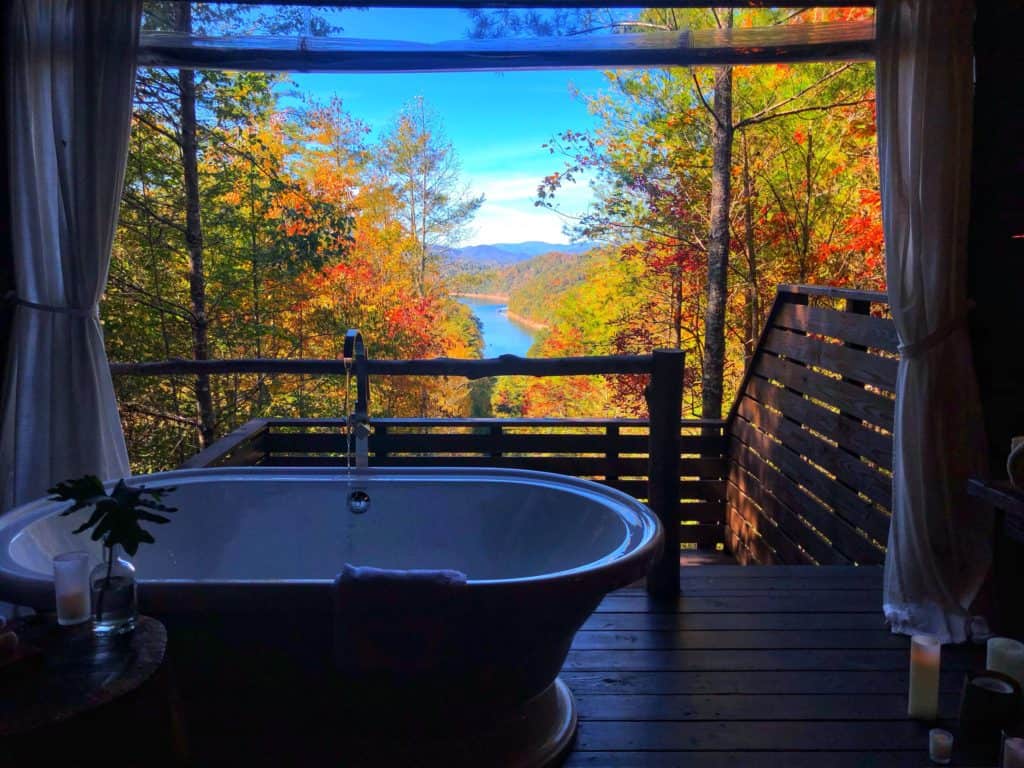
[[90, 698]]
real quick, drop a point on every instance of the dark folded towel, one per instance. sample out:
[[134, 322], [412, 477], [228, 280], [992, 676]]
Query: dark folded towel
[[386, 579], [389, 624]]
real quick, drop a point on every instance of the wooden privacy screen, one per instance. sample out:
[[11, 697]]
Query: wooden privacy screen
[[611, 451], [810, 434]]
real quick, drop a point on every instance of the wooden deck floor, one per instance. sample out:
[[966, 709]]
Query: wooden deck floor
[[761, 666]]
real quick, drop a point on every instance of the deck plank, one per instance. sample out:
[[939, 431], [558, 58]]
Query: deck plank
[[749, 682], [680, 660], [803, 602], [647, 639], [768, 666], [660, 622], [716, 707], [875, 735], [777, 759]]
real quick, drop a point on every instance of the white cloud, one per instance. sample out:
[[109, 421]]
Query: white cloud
[[509, 214], [516, 188], [514, 224]]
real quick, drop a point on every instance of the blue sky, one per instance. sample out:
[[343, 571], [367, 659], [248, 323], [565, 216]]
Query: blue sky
[[498, 122]]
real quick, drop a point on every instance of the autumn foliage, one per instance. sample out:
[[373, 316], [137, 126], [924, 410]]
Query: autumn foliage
[[311, 226]]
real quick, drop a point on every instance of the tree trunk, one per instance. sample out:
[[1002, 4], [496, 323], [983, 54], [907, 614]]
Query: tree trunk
[[718, 245], [753, 329], [805, 219], [194, 238], [262, 394]]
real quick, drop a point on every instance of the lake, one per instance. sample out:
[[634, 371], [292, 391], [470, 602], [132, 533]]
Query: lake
[[501, 335]]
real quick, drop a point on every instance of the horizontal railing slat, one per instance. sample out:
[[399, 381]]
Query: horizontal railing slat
[[841, 534], [848, 433], [470, 368], [851, 363], [783, 550], [701, 511], [868, 331], [440, 442], [704, 536], [789, 518], [847, 468], [704, 490], [566, 465], [617, 457], [843, 395], [234, 449], [830, 292], [857, 512]]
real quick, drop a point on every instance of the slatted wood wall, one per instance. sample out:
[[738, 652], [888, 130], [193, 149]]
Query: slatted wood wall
[[809, 438], [610, 451]]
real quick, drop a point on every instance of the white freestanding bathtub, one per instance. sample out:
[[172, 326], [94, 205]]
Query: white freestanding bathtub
[[243, 577]]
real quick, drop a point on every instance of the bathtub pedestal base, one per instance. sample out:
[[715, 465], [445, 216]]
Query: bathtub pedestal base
[[537, 735]]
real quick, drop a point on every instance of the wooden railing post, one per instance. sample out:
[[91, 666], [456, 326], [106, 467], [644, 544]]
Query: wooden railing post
[[665, 406]]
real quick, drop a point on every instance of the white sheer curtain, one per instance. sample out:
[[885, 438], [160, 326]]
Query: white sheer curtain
[[939, 545], [71, 66]]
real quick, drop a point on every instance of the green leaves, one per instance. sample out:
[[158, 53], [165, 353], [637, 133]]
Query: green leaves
[[115, 516]]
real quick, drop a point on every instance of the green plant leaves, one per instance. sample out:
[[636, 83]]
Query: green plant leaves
[[115, 517]]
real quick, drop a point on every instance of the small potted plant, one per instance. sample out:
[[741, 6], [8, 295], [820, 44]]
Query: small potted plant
[[115, 520]]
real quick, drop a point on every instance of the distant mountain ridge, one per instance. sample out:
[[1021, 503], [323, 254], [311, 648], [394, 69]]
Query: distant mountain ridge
[[512, 253]]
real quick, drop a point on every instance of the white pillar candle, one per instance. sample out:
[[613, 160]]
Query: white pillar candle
[[925, 658], [71, 585], [940, 746], [1013, 752], [1007, 656]]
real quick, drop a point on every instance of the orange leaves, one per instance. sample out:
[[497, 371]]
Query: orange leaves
[[871, 197]]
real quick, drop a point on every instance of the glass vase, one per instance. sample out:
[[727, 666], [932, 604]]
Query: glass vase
[[114, 600]]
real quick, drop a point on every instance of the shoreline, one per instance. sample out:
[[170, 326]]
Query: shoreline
[[496, 297], [533, 325]]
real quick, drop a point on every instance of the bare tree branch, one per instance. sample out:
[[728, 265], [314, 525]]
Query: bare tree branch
[[141, 117], [156, 413], [704, 101], [756, 117], [789, 17], [821, 108], [136, 201], [146, 298], [621, 25]]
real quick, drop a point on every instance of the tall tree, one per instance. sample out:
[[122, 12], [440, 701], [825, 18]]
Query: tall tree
[[422, 167], [666, 138], [194, 235], [718, 233]]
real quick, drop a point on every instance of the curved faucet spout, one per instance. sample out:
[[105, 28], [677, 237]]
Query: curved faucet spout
[[359, 420]]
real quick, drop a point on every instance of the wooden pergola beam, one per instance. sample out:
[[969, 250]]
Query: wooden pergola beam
[[500, 4], [849, 41]]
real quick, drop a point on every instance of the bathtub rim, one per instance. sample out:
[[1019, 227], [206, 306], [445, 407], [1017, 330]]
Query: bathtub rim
[[25, 587]]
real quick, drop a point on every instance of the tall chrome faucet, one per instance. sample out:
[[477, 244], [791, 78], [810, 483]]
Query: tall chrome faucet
[[359, 420]]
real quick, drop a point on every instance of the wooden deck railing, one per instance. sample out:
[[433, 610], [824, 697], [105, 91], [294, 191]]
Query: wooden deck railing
[[614, 452], [678, 470], [809, 436], [799, 472]]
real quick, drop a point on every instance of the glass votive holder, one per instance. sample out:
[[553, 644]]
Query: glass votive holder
[[1011, 755], [940, 746], [71, 585]]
